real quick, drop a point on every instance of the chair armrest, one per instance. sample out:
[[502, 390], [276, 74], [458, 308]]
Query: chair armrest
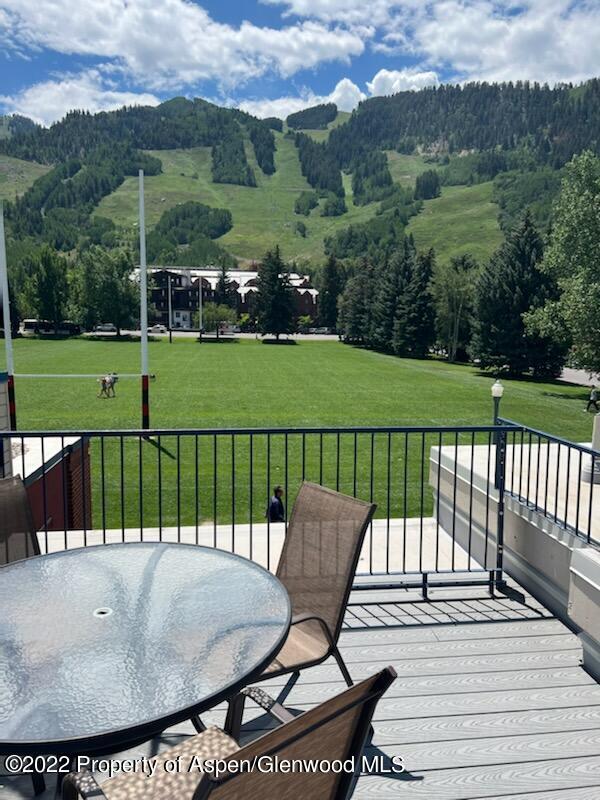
[[307, 616], [81, 784], [267, 703]]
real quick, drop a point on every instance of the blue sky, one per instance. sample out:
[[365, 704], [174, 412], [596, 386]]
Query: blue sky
[[276, 56]]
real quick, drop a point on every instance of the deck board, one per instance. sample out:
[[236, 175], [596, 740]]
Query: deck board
[[490, 703]]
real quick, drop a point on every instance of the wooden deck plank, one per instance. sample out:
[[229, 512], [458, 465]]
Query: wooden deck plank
[[491, 630], [470, 783], [405, 667], [495, 750], [431, 730]]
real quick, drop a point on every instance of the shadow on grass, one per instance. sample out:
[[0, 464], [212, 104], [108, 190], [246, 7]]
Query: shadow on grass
[[126, 337], [280, 341], [217, 340], [154, 442]]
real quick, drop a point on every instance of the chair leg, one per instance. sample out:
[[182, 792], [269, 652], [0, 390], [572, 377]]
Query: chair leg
[[39, 784], [198, 724], [235, 713], [343, 668], [291, 682]]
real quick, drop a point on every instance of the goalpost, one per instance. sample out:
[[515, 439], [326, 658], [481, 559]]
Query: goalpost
[[8, 349], [144, 308], [8, 345]]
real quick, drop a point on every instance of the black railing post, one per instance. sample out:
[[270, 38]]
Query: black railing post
[[500, 476]]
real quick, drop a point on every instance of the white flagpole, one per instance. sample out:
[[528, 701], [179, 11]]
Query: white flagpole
[[8, 347], [144, 306]]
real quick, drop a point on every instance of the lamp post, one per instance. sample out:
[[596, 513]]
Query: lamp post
[[497, 392]]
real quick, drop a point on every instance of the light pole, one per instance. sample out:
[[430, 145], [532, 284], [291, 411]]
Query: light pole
[[497, 392]]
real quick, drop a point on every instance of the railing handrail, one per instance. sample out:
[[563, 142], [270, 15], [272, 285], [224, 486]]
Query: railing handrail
[[511, 425], [142, 432]]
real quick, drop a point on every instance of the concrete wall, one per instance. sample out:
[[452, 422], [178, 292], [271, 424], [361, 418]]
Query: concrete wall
[[555, 566]]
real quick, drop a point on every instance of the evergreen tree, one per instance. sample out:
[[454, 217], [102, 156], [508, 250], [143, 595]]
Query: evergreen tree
[[420, 310], [225, 293], [355, 306], [330, 290], [275, 302], [401, 329], [511, 285], [427, 185], [385, 300]]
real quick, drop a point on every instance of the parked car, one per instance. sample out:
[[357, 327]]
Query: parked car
[[106, 327], [158, 328]]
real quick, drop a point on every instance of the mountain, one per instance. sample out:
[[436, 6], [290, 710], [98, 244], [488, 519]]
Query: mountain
[[324, 182]]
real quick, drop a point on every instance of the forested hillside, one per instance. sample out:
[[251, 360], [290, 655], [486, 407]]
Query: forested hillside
[[325, 182]]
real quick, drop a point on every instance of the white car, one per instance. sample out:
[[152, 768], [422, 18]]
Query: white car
[[158, 328], [106, 327]]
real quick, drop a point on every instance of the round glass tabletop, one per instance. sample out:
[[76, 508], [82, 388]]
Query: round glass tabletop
[[103, 644]]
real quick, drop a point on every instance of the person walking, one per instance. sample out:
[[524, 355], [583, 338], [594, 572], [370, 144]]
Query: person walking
[[276, 510], [593, 401]]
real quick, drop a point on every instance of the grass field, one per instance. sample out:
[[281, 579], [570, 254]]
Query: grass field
[[406, 168], [462, 220], [262, 216], [16, 176], [322, 136], [249, 384]]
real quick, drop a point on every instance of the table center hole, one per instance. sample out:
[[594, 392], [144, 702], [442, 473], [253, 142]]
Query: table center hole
[[103, 612]]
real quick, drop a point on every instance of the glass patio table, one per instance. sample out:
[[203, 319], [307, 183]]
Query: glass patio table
[[106, 646]]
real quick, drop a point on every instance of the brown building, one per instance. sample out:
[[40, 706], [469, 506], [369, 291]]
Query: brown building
[[183, 286]]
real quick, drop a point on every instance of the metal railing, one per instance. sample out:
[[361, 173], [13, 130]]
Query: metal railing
[[553, 476], [213, 487]]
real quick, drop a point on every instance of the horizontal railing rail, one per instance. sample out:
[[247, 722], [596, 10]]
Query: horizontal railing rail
[[555, 477], [213, 486]]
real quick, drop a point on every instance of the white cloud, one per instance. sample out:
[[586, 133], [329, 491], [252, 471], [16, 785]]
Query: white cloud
[[543, 40], [346, 95], [172, 43], [49, 101], [399, 80], [349, 12]]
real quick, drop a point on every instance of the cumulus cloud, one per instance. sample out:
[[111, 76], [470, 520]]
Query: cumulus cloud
[[543, 40], [350, 12], [346, 95], [399, 80], [172, 43], [48, 101]]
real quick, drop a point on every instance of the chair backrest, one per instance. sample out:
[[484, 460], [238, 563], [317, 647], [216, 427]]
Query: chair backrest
[[336, 729], [18, 538], [321, 551]]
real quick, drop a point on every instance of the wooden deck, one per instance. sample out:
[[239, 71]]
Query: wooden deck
[[490, 700]]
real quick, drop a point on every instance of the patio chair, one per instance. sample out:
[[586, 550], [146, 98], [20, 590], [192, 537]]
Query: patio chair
[[336, 729], [18, 538], [317, 566]]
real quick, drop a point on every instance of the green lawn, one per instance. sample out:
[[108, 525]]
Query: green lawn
[[249, 384], [16, 176], [262, 216], [462, 220]]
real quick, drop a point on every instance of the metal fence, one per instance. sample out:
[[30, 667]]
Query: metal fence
[[553, 476], [212, 487]]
